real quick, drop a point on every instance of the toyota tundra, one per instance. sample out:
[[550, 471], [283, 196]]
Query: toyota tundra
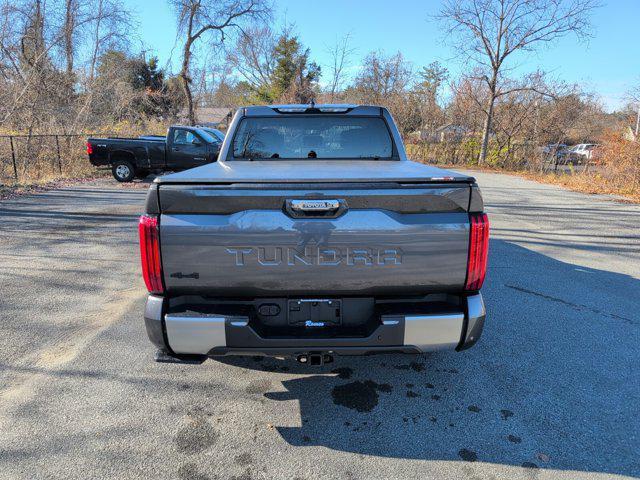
[[312, 236]]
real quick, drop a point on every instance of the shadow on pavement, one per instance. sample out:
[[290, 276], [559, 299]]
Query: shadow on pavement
[[553, 383]]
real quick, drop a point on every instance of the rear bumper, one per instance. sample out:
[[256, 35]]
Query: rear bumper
[[210, 334]]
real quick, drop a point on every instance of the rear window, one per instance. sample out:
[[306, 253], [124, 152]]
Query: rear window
[[313, 137]]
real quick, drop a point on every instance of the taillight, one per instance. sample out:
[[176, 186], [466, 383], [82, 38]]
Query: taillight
[[89, 149], [478, 250], [150, 253]]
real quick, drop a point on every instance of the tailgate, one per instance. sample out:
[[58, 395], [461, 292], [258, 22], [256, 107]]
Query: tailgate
[[347, 239]]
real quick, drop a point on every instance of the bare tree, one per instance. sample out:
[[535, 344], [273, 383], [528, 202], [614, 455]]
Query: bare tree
[[490, 31], [382, 76], [42, 44], [340, 55], [633, 97], [387, 80], [9, 51], [111, 22], [466, 107], [71, 13], [197, 18], [252, 55]]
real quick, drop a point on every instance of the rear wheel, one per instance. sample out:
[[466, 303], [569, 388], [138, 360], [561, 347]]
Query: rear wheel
[[123, 171]]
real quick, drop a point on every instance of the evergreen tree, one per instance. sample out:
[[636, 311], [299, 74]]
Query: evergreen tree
[[294, 77]]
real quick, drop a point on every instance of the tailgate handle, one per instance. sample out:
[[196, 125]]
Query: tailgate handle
[[309, 208], [315, 205]]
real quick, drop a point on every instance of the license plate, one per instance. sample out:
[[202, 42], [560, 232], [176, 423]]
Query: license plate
[[315, 312]]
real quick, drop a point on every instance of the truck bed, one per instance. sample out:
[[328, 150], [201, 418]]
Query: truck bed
[[143, 152]]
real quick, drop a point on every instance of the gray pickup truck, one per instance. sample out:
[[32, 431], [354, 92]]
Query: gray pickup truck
[[313, 236]]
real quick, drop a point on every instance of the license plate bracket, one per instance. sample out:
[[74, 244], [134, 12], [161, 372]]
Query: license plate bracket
[[314, 312]]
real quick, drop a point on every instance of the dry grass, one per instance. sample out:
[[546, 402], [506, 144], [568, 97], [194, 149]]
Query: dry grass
[[617, 169], [585, 183], [591, 183]]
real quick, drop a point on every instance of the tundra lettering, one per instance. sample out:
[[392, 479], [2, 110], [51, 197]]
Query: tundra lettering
[[320, 256]]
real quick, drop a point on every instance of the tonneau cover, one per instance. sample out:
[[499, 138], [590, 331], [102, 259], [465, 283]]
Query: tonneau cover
[[308, 171]]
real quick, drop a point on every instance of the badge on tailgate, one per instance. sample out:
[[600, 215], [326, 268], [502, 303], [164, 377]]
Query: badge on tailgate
[[314, 205], [310, 208]]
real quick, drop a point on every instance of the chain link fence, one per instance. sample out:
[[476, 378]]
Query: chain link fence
[[516, 157], [40, 157]]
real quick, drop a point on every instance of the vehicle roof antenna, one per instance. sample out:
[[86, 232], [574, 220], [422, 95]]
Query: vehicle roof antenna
[[313, 103]]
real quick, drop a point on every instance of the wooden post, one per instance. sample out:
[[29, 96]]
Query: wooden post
[[58, 150], [13, 158]]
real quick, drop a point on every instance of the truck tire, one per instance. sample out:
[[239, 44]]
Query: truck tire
[[123, 170]]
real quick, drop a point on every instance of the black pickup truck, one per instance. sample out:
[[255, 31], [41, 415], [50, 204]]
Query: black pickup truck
[[181, 149]]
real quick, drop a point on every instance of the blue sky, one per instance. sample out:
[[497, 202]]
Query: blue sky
[[607, 64]]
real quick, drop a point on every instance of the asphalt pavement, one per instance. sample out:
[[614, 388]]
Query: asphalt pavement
[[552, 390]]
